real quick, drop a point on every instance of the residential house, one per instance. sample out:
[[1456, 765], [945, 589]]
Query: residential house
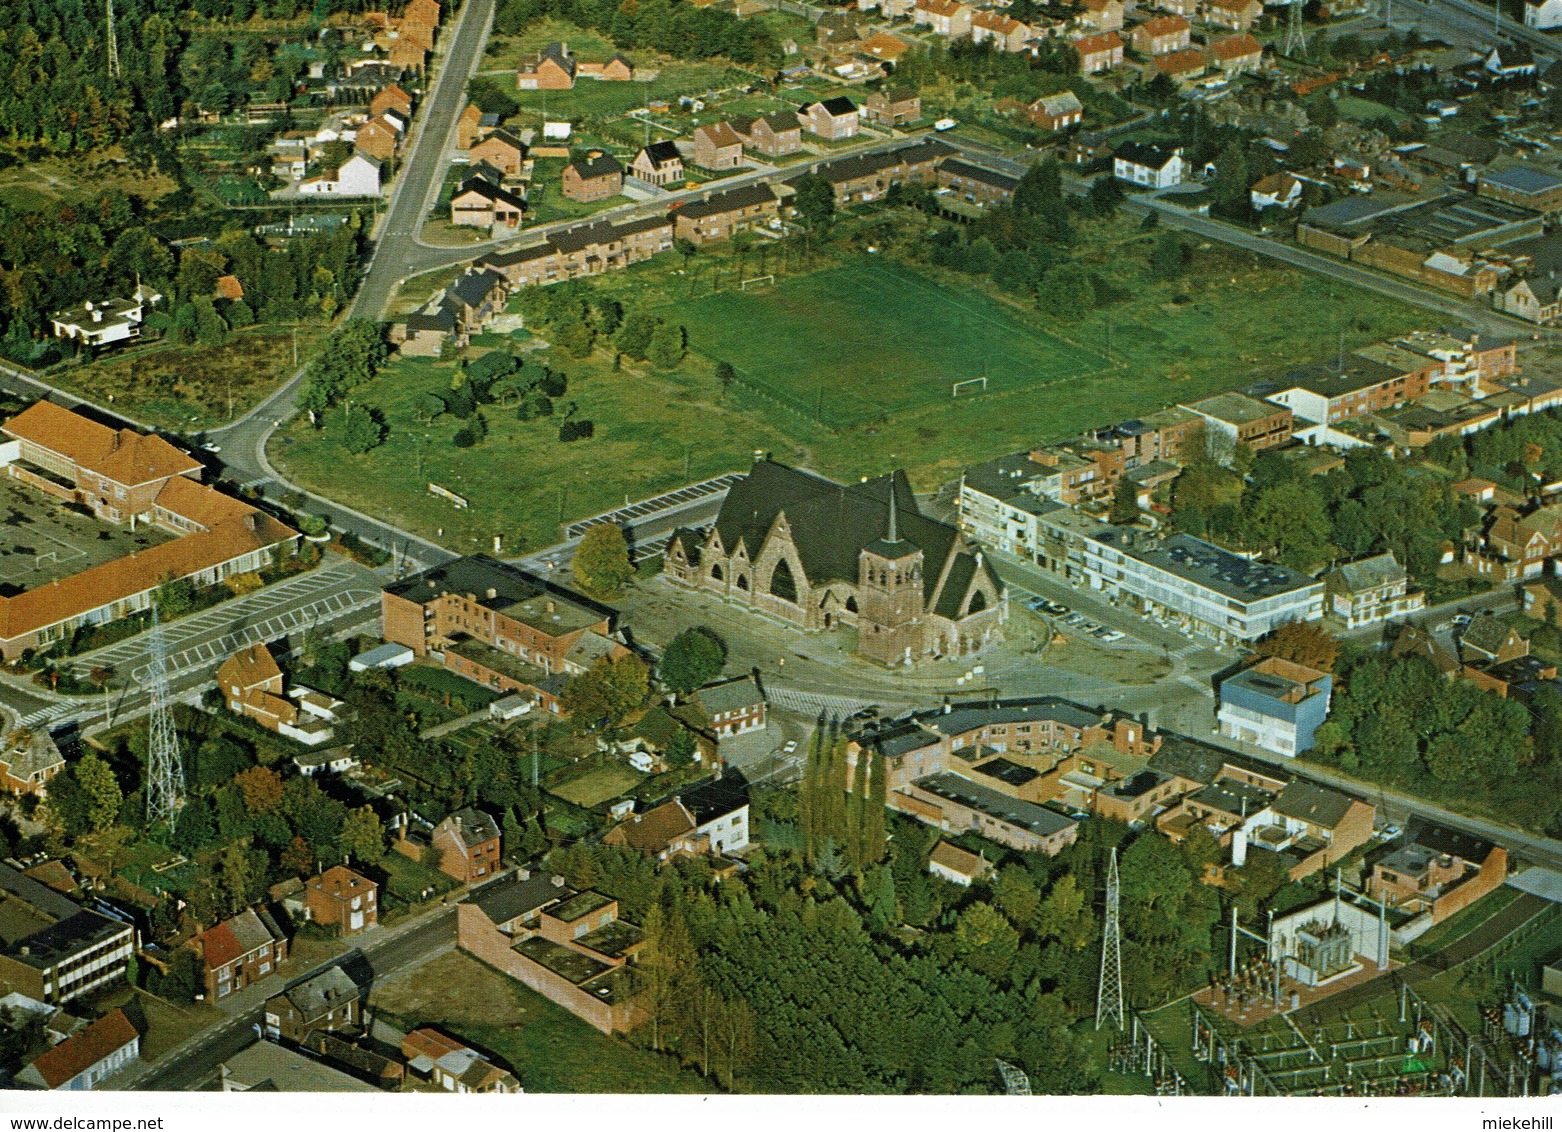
[[87, 1057], [478, 204], [1160, 35], [103, 322], [1306, 816], [378, 138], [1510, 61], [711, 817], [28, 759], [774, 135], [1516, 547], [1004, 32], [1544, 15], [836, 29], [892, 107], [1232, 419], [1438, 871], [1183, 66], [1278, 190], [392, 98], [618, 69], [469, 127], [476, 297], [1237, 54], [834, 119], [423, 334], [252, 686], [238, 952], [598, 177], [882, 46], [1100, 52], [358, 176], [453, 1066], [552, 68], [1371, 590], [1275, 704], [976, 184], [951, 863], [1238, 15], [948, 18], [503, 150], [735, 707], [342, 899], [327, 1002], [1152, 166], [658, 164], [267, 1067], [717, 146], [722, 215], [869, 176], [1490, 640], [1054, 112], [1102, 15], [468, 845]]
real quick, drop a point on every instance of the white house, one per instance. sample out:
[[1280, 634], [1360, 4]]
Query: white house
[[358, 176], [1149, 165], [719, 810], [105, 322], [1547, 14], [955, 865], [1278, 190], [85, 1058]]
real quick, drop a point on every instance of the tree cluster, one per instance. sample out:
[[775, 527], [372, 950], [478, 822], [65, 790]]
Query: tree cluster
[[673, 27]]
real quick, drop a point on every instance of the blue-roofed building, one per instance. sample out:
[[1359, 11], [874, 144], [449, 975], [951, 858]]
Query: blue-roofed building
[[1523, 185], [1275, 704]]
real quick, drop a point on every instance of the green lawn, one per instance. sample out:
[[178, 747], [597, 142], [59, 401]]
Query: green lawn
[[895, 341], [599, 785]]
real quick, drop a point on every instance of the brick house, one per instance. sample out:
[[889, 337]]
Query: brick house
[[453, 1066], [1161, 34], [1490, 640], [238, 952], [868, 176], [1237, 15], [717, 147], [469, 127], [378, 138], [28, 759], [468, 845], [1055, 112], [892, 107], [718, 217], [391, 98], [343, 899], [735, 707], [1235, 54], [618, 69], [658, 164], [1099, 52], [478, 204], [587, 249], [834, 119], [1438, 871], [948, 18], [1236, 418], [709, 818], [1183, 66], [1370, 590], [552, 68], [976, 184], [598, 177], [328, 1002], [1004, 32], [774, 135], [1102, 15], [503, 150]]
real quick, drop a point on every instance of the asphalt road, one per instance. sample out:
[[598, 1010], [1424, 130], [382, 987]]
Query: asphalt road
[[196, 1062]]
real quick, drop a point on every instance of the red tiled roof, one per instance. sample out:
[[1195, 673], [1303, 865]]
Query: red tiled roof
[[234, 939], [126, 457], [249, 668], [340, 881], [1092, 44], [81, 1051], [1181, 62], [1236, 46], [1163, 25]]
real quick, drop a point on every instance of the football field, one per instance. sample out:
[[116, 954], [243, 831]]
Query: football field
[[870, 339]]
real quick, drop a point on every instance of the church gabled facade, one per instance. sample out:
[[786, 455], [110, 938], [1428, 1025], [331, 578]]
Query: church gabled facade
[[818, 554]]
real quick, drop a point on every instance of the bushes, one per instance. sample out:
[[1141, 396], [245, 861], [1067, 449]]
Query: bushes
[[573, 430]]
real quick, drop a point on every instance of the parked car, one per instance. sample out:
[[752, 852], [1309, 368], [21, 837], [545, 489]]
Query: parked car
[[1055, 608], [789, 747], [1108, 635], [1036, 604], [1073, 619], [1089, 627]]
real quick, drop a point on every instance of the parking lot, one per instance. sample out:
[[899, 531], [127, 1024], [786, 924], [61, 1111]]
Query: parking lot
[[647, 507]]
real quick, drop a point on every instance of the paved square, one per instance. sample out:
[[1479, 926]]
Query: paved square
[[43, 540]]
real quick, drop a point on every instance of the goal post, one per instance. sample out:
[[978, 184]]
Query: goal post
[[757, 281], [968, 387]]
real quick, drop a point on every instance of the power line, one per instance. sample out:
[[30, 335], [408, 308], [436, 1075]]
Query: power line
[[113, 42], [1109, 995], [164, 768]]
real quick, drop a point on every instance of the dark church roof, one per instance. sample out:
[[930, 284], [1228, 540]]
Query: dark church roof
[[831, 524]]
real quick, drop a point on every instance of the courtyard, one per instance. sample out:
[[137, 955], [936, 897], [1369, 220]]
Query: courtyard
[[43, 540]]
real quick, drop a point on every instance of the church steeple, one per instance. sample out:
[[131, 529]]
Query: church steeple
[[891, 536]]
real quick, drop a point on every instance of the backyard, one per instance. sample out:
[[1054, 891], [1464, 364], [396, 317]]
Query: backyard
[[598, 785]]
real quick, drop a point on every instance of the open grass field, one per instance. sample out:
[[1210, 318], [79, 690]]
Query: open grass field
[[34, 185], [599, 785], [548, 1048], [873, 338]]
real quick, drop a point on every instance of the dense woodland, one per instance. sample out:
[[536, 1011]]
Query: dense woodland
[[672, 28]]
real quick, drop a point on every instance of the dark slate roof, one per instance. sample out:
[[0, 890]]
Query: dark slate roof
[[602, 232], [510, 897], [716, 797], [1149, 156], [662, 153], [745, 197], [486, 171], [490, 192], [519, 255], [1486, 633], [1368, 573], [1005, 770], [1441, 839], [474, 826], [323, 993], [730, 695], [507, 138], [476, 574], [977, 173], [1027, 815], [1185, 758], [441, 318], [602, 165], [839, 105], [832, 523], [474, 287], [1309, 802]]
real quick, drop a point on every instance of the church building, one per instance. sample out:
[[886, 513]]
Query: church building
[[819, 554]]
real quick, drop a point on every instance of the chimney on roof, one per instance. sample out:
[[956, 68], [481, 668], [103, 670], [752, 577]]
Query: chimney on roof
[[558, 881], [492, 593], [523, 874], [97, 316]]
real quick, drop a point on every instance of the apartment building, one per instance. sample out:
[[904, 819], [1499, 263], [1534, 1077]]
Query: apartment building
[[53, 949]]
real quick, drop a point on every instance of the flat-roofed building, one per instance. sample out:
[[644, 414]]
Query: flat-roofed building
[[1275, 704], [51, 948], [1236, 418]]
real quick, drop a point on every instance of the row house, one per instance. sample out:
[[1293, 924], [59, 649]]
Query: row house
[[453, 1066], [1369, 591], [1098, 53], [1368, 381], [1161, 35], [1236, 15], [1005, 33], [1101, 15], [1516, 547], [735, 707], [773, 135], [948, 18], [976, 184], [325, 1003], [1232, 419], [1437, 871], [1236, 54], [868, 176], [589, 249], [1183, 66], [722, 215]]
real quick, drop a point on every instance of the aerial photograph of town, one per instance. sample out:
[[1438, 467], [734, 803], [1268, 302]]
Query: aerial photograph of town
[[780, 548]]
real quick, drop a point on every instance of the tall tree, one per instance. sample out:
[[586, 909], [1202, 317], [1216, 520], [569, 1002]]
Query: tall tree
[[601, 563]]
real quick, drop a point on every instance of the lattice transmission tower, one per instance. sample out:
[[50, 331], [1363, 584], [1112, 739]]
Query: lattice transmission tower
[[113, 42], [1015, 1082], [164, 768], [1295, 33], [1109, 996]]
